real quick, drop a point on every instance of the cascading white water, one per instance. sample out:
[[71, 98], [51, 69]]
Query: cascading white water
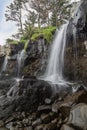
[[54, 71], [4, 66], [20, 60]]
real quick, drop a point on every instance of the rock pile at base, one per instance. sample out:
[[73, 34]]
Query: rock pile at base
[[64, 110]]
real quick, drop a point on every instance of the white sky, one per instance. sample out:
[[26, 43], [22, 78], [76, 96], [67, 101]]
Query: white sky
[[7, 28]]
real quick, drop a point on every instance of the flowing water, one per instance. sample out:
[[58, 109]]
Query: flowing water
[[20, 60], [4, 66], [54, 71]]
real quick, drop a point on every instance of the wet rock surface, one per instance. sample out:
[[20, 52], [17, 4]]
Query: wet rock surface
[[22, 95], [35, 63], [26, 107], [76, 48]]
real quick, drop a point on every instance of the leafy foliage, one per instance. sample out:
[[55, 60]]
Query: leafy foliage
[[46, 33], [11, 41]]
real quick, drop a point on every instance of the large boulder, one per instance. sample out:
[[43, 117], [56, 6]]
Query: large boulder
[[78, 116]]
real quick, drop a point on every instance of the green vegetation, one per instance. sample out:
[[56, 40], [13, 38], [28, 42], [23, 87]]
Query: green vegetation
[[35, 34], [26, 45], [11, 41], [46, 33]]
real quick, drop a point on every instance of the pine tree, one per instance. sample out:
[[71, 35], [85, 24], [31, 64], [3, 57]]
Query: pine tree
[[60, 11], [14, 13]]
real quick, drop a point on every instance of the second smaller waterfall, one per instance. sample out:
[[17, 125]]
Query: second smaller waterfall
[[4, 66], [20, 60]]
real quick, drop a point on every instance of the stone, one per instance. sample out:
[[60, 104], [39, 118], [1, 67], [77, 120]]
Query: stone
[[3, 128], [10, 119], [19, 124], [66, 127], [48, 101], [12, 128], [53, 115], [28, 128], [25, 121], [44, 108], [9, 125], [23, 114], [65, 111], [32, 117], [78, 116], [54, 121], [59, 123], [36, 122], [1, 123], [39, 127], [45, 118], [30, 122], [50, 126], [69, 100]]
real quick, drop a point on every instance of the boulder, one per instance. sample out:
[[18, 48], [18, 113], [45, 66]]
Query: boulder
[[78, 116], [66, 127]]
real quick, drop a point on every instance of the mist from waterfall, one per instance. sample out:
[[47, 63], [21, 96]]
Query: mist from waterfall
[[54, 71], [20, 60]]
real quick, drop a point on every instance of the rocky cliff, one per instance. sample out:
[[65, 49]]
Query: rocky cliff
[[76, 49]]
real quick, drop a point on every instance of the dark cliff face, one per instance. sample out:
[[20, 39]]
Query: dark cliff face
[[15, 48], [76, 50], [35, 63], [80, 20]]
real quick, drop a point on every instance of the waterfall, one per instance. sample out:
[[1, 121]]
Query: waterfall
[[20, 60], [4, 66], [54, 71]]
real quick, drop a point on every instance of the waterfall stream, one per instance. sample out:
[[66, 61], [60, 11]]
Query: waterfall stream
[[20, 60], [4, 66], [54, 71]]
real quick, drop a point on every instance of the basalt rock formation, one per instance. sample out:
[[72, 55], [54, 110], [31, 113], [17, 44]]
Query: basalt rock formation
[[37, 53], [76, 49]]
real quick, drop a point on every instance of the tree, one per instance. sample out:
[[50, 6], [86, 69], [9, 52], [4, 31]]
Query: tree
[[31, 18], [42, 9], [28, 31], [60, 11], [14, 13]]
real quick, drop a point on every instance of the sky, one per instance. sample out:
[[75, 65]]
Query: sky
[[6, 28]]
